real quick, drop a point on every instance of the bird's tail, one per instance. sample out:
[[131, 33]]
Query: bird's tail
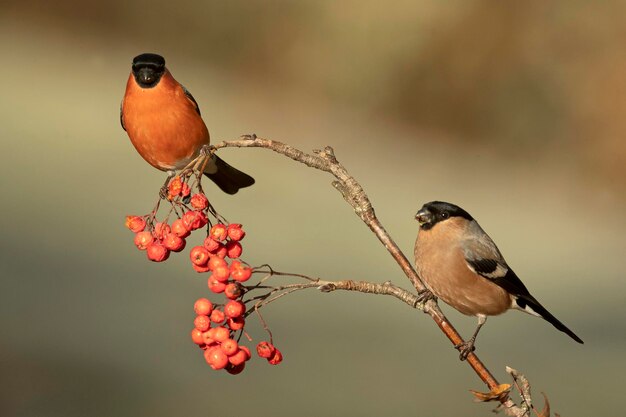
[[531, 305], [228, 178]]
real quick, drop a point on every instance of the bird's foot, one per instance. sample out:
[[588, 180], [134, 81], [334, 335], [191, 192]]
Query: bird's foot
[[424, 296], [251, 136], [207, 150], [465, 349]]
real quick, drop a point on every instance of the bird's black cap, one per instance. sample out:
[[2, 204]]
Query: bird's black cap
[[148, 60], [436, 211]]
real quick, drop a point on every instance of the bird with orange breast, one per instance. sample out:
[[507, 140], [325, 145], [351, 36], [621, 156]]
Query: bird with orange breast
[[461, 265], [164, 124]]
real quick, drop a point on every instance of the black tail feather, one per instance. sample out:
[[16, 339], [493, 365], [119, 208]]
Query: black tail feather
[[539, 309], [228, 178]]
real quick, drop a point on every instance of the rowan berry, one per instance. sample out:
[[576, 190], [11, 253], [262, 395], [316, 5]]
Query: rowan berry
[[179, 228], [143, 239], [265, 349], [276, 358], [229, 347], [157, 252], [199, 202], [235, 232], [135, 223], [173, 242], [202, 323], [199, 255], [233, 249], [234, 309], [203, 306], [217, 316], [218, 232]]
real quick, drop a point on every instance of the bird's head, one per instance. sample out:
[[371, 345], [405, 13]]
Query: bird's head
[[148, 69], [438, 211]]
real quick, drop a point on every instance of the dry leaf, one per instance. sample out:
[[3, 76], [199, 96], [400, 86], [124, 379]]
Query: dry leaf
[[546, 408], [497, 394]]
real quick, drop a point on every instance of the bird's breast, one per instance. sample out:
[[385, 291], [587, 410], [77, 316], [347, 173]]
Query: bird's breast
[[163, 124], [441, 264]]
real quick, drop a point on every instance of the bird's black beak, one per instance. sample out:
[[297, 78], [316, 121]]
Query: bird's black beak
[[146, 76], [424, 217]]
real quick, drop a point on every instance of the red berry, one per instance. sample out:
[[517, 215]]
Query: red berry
[[233, 290], [218, 232], [216, 358], [196, 336], [247, 350], [202, 323], [199, 202], [157, 252], [239, 272], [161, 229], [217, 316], [235, 369], [199, 255], [234, 309], [216, 286], [143, 239], [229, 347], [203, 306], [179, 229], [135, 223], [173, 242], [211, 244], [194, 220], [235, 232], [221, 252], [221, 334], [215, 262], [207, 338], [238, 357], [276, 358], [233, 249], [235, 323], [174, 188], [265, 349], [221, 273], [199, 268]]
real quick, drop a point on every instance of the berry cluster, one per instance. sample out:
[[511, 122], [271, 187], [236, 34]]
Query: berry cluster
[[217, 328]]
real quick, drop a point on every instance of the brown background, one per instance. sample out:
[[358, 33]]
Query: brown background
[[514, 111]]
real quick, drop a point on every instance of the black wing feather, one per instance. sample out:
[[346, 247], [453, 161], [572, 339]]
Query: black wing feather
[[190, 97]]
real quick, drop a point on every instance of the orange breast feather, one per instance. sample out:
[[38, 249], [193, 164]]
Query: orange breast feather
[[163, 124]]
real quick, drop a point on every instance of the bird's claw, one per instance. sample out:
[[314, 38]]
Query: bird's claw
[[251, 136], [206, 150], [424, 296], [465, 349]]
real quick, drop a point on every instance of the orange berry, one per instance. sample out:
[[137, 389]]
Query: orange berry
[[196, 336], [211, 244], [174, 243], [179, 229], [174, 188], [235, 232], [202, 323], [234, 309], [276, 358], [221, 334], [235, 323], [216, 286], [265, 349], [217, 316], [229, 347], [215, 262], [238, 357], [199, 202], [247, 350], [199, 255], [161, 229], [135, 223], [233, 290], [203, 306], [157, 252], [216, 358], [233, 249], [143, 239], [221, 273], [194, 219], [218, 232]]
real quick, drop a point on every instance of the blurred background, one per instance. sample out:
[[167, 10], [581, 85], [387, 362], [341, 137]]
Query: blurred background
[[514, 111]]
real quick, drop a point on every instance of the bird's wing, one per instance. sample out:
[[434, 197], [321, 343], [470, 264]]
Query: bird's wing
[[484, 258], [193, 100], [122, 115]]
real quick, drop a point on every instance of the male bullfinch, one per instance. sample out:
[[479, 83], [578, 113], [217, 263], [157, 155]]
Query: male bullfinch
[[460, 264], [163, 122]]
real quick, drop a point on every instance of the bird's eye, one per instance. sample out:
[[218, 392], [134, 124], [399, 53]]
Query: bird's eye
[[444, 215]]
